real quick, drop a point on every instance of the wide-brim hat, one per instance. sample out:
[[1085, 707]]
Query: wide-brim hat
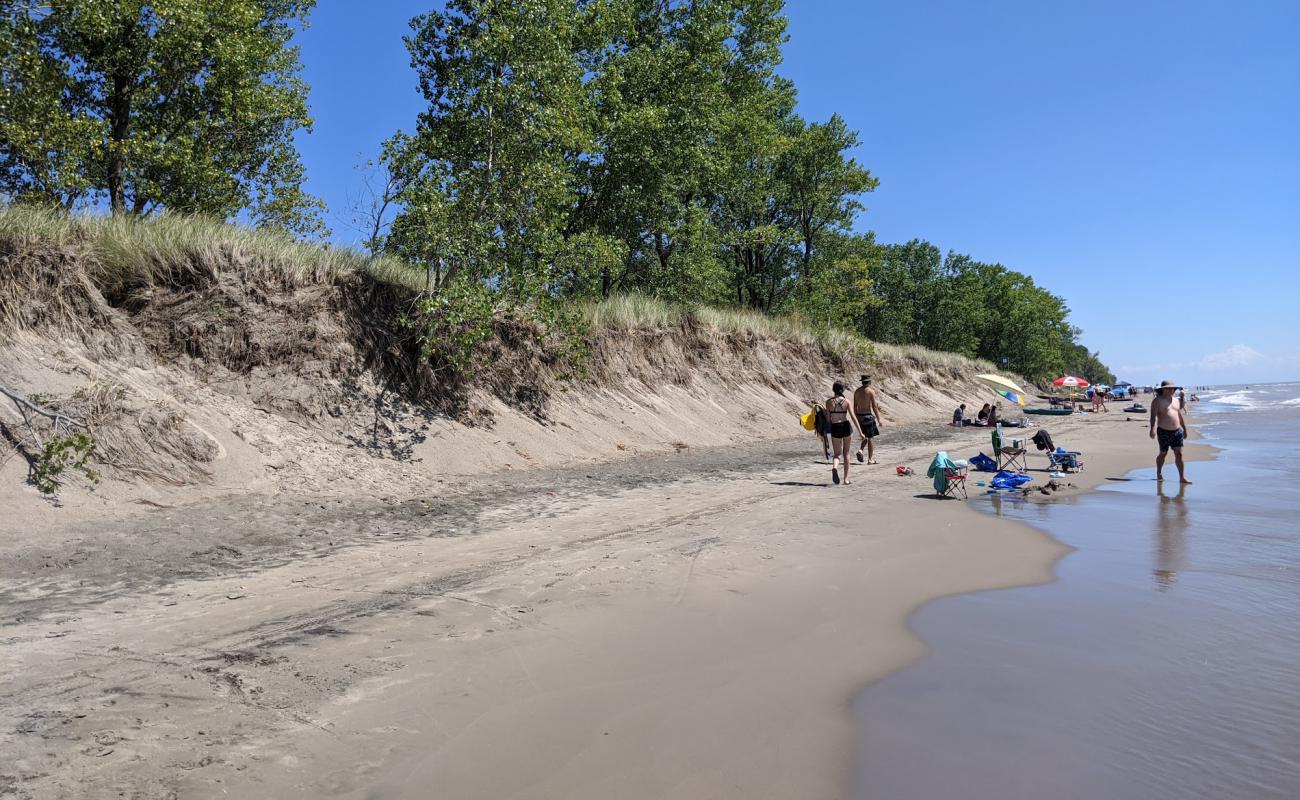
[[865, 379], [1167, 385]]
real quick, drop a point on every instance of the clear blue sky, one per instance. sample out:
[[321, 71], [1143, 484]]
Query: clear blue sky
[[1140, 159]]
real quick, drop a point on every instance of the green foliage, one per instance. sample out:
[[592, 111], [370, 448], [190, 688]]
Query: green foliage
[[569, 150], [61, 455], [590, 149], [486, 168], [450, 324], [183, 105]]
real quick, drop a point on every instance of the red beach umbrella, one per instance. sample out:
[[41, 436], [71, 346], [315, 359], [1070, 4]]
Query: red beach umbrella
[[1070, 382]]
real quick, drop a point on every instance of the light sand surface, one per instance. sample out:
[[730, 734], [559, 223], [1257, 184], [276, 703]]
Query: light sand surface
[[695, 634]]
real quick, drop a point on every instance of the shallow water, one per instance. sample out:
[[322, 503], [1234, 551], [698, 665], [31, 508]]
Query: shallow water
[[1163, 662]]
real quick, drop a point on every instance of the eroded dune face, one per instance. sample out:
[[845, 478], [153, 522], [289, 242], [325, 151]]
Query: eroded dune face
[[224, 370]]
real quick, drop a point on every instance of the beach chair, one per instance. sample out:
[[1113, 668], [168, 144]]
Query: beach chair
[[1065, 460], [1012, 459], [949, 476], [954, 481]]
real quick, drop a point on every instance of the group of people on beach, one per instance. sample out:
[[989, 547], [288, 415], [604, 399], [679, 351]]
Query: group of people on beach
[[987, 416], [839, 417]]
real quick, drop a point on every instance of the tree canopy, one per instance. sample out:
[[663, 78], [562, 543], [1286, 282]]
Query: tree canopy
[[568, 150], [148, 105], [578, 148]]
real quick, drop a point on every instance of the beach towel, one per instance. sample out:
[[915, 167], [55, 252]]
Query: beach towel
[[983, 463], [1009, 480], [937, 466], [809, 420]]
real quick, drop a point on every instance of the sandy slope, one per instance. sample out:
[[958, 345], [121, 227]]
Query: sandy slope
[[689, 626]]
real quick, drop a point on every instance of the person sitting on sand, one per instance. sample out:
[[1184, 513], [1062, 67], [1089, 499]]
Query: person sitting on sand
[[1169, 428], [840, 413], [959, 416], [982, 418], [868, 414]]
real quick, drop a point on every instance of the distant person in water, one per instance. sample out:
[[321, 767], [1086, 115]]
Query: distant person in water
[[839, 411], [1182, 399], [1169, 428], [868, 414]]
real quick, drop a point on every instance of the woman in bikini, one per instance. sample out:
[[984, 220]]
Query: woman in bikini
[[840, 413]]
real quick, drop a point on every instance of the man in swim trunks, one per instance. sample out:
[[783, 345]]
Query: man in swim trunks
[[868, 414], [1169, 428]]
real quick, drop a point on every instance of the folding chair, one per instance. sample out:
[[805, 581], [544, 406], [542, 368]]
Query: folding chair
[[1065, 460], [955, 480], [1012, 459]]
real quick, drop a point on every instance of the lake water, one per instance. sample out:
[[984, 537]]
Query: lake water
[[1163, 662]]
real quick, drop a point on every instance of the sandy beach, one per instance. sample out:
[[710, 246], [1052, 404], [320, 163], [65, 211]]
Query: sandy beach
[[688, 626]]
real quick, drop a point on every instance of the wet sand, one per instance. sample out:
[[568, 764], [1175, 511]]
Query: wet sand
[[692, 626], [1162, 662]]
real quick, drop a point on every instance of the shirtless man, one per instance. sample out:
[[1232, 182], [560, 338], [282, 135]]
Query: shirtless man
[[868, 414], [1171, 430]]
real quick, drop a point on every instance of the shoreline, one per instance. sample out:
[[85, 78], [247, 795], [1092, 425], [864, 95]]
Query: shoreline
[[752, 611], [1043, 690]]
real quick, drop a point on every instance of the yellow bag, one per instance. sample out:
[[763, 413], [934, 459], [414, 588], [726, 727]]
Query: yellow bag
[[809, 420]]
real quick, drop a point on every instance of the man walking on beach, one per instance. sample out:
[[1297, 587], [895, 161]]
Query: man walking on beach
[[868, 414], [1169, 428]]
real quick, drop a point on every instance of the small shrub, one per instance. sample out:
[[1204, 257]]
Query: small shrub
[[60, 455]]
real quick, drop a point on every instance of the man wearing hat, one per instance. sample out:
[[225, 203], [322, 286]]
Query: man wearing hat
[[868, 413], [1168, 427]]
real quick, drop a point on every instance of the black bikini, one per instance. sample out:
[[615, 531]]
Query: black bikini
[[843, 428]]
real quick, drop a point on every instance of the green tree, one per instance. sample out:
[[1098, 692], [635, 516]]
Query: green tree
[[506, 107], [684, 93], [837, 289], [183, 105], [822, 183], [904, 282]]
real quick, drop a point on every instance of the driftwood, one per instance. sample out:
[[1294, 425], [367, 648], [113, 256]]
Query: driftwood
[[26, 407]]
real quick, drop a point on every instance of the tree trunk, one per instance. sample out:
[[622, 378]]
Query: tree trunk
[[119, 110], [664, 250]]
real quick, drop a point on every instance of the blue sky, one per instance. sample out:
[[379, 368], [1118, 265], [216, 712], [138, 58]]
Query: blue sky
[[1140, 159]]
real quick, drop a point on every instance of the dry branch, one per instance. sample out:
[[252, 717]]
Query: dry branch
[[25, 405]]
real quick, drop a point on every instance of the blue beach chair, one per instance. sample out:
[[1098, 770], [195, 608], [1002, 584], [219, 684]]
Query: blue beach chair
[[1065, 460]]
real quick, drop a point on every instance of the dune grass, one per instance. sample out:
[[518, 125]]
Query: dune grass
[[641, 312], [933, 359], [130, 253]]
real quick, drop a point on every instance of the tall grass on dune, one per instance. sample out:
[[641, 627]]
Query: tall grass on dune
[[129, 252], [641, 312], [932, 359], [633, 312]]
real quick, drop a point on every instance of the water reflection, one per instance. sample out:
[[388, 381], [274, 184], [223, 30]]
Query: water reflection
[[1171, 537]]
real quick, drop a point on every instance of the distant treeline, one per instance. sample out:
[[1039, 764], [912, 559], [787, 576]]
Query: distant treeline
[[570, 149]]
